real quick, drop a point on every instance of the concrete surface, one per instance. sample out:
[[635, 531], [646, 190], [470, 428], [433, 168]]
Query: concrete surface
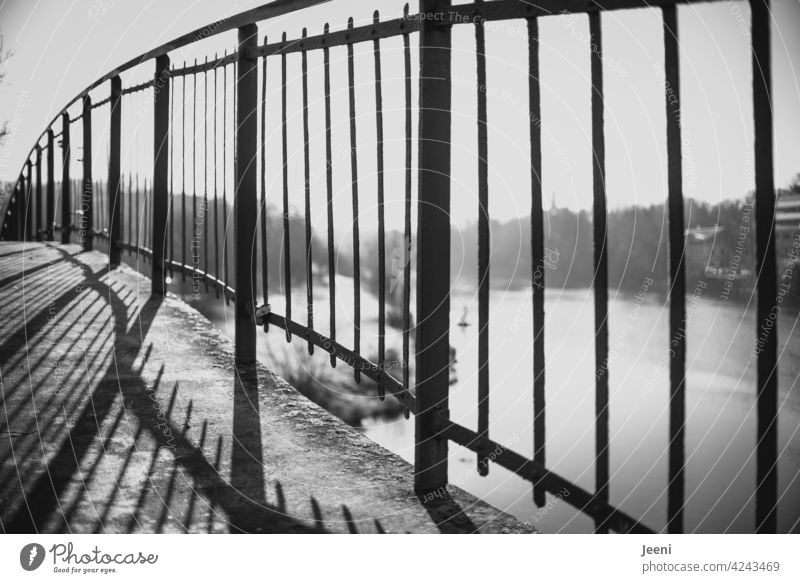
[[122, 413]]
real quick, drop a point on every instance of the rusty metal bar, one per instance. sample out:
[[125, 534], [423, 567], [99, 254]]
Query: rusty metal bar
[[677, 275], [51, 188], [225, 175], [114, 175], [263, 209], [600, 268], [140, 218], [37, 230], [29, 223], [205, 174], [138, 88], [381, 216], [369, 369], [245, 205], [484, 250], [160, 184], [365, 33], [354, 189], [85, 233], [206, 66], [129, 196], [183, 177], [433, 252], [574, 495], [307, 196], [193, 247], [216, 190], [407, 215], [329, 192], [537, 254], [767, 310], [66, 181], [287, 251], [171, 179]]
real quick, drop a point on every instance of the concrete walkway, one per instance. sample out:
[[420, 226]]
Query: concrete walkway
[[121, 413]]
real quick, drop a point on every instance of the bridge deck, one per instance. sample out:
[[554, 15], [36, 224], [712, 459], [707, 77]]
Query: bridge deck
[[121, 412]]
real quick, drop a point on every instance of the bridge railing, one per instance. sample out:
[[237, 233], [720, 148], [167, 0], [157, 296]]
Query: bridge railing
[[165, 233]]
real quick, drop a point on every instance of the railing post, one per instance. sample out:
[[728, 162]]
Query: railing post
[[66, 186], [28, 194], [245, 208], [37, 218], [86, 226], [160, 206], [51, 187], [433, 248], [114, 183]]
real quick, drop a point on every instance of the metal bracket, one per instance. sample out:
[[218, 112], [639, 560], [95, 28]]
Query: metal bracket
[[261, 314]]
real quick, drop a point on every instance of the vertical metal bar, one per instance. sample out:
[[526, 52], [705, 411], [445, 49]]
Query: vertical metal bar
[[139, 219], [85, 234], [183, 175], [66, 181], [407, 215], [433, 250], [205, 174], [381, 218], [38, 198], [600, 268], [51, 186], [29, 223], [287, 258], [677, 275], [193, 246], [216, 184], [171, 181], [245, 200], [225, 176], [484, 250], [130, 209], [160, 184], [767, 332], [114, 176], [263, 151], [537, 253], [329, 193], [354, 186], [307, 193]]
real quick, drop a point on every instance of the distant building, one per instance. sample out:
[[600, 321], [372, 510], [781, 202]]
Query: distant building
[[787, 223]]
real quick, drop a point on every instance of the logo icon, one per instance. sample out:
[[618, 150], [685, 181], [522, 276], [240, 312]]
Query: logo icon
[[31, 556]]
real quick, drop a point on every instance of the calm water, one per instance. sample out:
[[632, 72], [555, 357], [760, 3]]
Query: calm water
[[721, 421]]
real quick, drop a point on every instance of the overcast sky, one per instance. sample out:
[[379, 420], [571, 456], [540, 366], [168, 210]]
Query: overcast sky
[[60, 46]]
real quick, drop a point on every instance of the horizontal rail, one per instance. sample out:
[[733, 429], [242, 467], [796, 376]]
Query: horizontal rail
[[202, 275], [369, 32], [544, 478], [513, 9], [139, 87], [367, 368], [226, 60]]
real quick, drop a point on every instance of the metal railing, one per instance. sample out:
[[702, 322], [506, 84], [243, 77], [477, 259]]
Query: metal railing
[[109, 215]]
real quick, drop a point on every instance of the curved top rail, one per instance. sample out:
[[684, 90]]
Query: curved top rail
[[263, 12]]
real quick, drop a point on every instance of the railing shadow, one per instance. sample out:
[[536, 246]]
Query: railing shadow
[[97, 433]]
